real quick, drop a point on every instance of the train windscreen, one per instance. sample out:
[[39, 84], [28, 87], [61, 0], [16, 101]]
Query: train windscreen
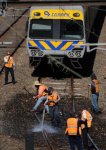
[[56, 29]]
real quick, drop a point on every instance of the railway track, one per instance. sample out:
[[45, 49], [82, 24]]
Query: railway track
[[13, 28], [69, 105], [87, 2]]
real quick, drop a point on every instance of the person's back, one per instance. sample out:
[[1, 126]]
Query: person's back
[[42, 90], [73, 130], [72, 127]]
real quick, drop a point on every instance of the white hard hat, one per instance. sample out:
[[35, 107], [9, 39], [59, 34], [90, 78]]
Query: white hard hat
[[37, 83]]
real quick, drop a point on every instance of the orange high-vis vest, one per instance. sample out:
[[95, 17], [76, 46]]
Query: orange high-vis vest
[[72, 127], [41, 91], [52, 98], [88, 117], [96, 85], [10, 62]]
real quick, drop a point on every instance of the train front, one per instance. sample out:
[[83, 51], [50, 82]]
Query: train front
[[56, 31]]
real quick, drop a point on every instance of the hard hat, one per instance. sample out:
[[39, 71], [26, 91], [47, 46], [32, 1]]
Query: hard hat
[[37, 83]]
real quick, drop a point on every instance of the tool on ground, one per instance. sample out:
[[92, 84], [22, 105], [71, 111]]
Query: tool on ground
[[28, 92]]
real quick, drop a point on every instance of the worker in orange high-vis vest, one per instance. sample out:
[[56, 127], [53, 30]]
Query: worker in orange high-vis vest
[[94, 89], [41, 95], [86, 115], [9, 67], [54, 111], [74, 133]]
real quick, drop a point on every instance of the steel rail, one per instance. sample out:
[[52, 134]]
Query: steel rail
[[80, 2], [93, 143], [14, 22], [44, 133], [58, 1], [74, 111], [14, 51]]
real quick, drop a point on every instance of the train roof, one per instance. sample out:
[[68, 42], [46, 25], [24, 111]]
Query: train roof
[[57, 7]]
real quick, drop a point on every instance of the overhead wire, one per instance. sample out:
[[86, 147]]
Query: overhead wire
[[81, 25], [69, 17]]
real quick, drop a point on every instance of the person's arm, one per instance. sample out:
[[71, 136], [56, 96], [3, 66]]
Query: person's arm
[[80, 122], [35, 97], [14, 65]]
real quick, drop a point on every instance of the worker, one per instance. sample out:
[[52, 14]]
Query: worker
[[94, 89], [74, 133], [9, 67], [41, 95], [86, 115], [52, 101]]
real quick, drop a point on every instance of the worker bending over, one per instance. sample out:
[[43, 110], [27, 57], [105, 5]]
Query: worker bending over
[[52, 101]]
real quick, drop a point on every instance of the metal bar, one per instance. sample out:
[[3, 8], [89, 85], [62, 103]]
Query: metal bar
[[90, 44], [28, 92], [64, 66], [91, 140], [58, 1]]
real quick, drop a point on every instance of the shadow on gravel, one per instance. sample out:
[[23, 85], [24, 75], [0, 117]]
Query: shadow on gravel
[[57, 71], [17, 118]]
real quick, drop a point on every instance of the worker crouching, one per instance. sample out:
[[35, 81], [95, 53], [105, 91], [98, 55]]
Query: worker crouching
[[52, 102], [74, 133]]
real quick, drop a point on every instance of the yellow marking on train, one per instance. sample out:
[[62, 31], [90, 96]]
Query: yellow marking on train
[[55, 43], [79, 44], [66, 46], [56, 14], [45, 45], [32, 43]]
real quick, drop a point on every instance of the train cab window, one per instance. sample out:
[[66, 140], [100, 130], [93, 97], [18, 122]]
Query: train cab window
[[40, 28], [72, 29]]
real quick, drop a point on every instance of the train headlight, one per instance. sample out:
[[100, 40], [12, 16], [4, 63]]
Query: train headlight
[[76, 14], [37, 14], [41, 53]]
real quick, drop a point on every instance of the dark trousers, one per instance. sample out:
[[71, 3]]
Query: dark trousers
[[75, 141], [85, 137], [7, 70], [54, 113]]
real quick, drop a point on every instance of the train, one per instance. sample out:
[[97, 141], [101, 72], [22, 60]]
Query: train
[[56, 31]]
